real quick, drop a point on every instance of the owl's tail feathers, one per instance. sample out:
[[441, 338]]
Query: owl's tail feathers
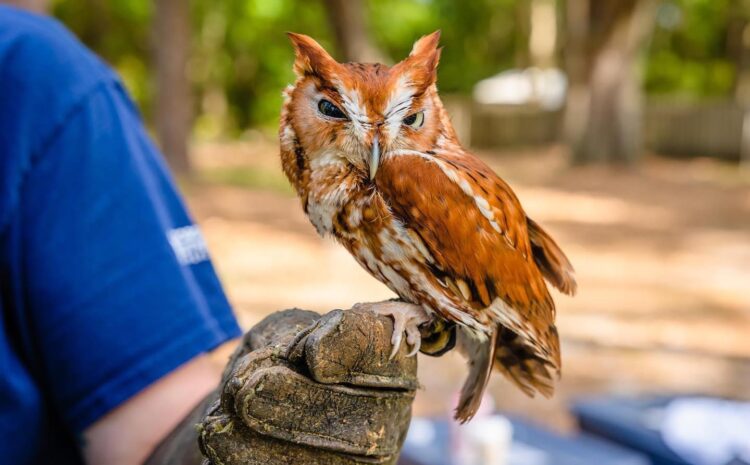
[[509, 354], [523, 365], [551, 260], [480, 352]]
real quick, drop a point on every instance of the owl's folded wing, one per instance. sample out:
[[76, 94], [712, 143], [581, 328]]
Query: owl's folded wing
[[476, 232]]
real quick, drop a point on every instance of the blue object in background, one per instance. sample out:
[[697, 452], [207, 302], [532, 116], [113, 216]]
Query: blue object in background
[[632, 422], [531, 446]]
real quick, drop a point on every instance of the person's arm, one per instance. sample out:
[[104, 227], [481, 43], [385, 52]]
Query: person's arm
[[130, 433], [303, 388], [122, 299]]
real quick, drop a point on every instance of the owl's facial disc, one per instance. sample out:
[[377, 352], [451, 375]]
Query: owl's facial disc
[[359, 113], [363, 129]]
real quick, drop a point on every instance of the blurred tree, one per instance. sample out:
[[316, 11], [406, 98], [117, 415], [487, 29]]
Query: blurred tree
[[693, 53], [604, 42], [118, 31], [240, 58], [542, 42], [738, 44], [536, 33], [524, 30], [480, 37], [39, 6], [348, 21], [173, 100]]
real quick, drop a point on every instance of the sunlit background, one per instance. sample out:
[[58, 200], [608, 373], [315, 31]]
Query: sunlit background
[[623, 125]]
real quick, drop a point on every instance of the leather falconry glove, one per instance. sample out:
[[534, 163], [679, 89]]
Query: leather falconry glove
[[305, 389]]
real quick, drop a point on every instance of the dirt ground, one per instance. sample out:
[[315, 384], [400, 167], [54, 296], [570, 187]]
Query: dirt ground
[[662, 254]]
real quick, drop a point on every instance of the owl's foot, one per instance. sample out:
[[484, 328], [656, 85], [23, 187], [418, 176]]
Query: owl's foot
[[406, 320]]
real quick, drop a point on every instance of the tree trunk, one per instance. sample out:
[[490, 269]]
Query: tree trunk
[[37, 6], [542, 42], [173, 108], [348, 21], [604, 110], [523, 34], [738, 47]]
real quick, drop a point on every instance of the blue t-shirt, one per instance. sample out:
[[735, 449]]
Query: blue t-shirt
[[105, 283]]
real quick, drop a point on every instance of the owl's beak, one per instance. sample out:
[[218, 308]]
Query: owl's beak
[[374, 157]]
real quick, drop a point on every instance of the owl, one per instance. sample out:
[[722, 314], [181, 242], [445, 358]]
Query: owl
[[374, 159]]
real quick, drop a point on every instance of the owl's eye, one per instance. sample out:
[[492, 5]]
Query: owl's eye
[[330, 110], [415, 120]]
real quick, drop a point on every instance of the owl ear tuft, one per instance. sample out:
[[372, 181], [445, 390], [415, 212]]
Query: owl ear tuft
[[426, 45], [311, 57], [424, 59]]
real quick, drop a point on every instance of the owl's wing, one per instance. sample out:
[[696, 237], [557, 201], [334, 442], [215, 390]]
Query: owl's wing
[[476, 233], [551, 260]]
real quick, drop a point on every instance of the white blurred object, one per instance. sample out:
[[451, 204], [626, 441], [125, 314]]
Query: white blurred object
[[707, 431], [485, 440], [421, 432], [544, 87], [527, 455]]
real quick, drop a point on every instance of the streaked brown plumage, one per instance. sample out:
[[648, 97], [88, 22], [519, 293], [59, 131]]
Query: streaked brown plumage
[[372, 155]]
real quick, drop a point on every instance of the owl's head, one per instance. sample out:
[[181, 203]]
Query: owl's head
[[357, 113]]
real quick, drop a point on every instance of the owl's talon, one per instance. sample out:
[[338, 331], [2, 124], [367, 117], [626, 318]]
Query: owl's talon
[[414, 339], [414, 351], [396, 344], [399, 328], [406, 319]]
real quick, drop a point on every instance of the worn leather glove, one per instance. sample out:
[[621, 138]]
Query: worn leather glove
[[305, 389]]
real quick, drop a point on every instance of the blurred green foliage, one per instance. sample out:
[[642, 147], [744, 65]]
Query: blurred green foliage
[[688, 55], [118, 30], [241, 58], [479, 37], [249, 177]]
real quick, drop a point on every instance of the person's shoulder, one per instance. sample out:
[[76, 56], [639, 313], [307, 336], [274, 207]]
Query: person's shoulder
[[45, 75], [40, 56]]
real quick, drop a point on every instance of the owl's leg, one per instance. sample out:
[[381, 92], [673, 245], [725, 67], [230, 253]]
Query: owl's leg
[[406, 320]]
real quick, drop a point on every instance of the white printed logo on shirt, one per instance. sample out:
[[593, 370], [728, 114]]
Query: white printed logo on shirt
[[188, 245]]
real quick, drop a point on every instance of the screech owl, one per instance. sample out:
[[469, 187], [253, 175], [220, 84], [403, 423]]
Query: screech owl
[[372, 155]]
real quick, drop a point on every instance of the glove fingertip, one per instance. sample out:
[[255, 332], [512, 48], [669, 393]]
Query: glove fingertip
[[354, 348]]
